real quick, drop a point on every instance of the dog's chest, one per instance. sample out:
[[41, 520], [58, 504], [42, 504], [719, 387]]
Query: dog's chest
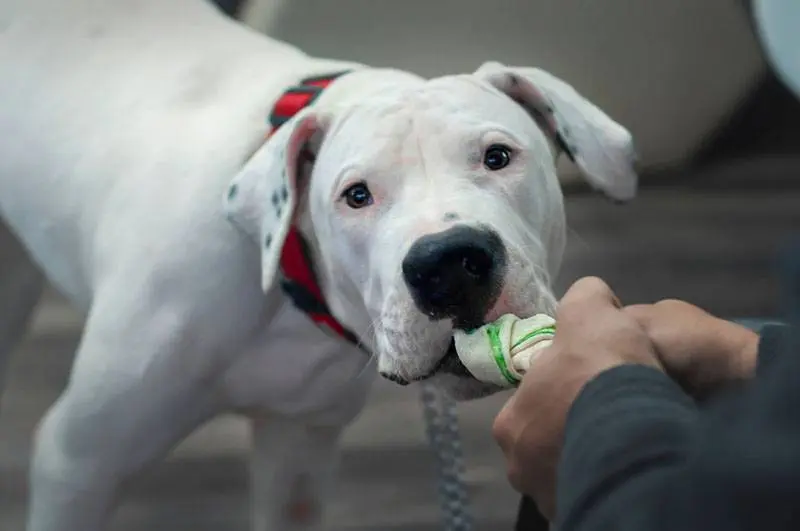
[[294, 368]]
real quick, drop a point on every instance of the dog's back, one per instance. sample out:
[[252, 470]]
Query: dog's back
[[123, 108]]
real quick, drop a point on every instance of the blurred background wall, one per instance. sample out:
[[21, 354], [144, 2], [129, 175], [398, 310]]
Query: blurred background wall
[[672, 71], [719, 141]]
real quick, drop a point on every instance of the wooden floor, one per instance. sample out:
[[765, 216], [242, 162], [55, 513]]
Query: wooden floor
[[714, 246]]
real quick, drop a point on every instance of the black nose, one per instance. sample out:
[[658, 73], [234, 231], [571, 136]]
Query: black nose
[[456, 274]]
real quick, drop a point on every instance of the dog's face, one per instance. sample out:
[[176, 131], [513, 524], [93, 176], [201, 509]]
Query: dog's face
[[439, 204], [435, 206]]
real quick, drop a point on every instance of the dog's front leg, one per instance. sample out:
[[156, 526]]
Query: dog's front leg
[[293, 467], [136, 389]]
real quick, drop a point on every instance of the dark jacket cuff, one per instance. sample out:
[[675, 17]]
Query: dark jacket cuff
[[625, 418]]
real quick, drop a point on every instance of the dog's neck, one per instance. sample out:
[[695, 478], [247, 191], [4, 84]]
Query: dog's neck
[[341, 297], [344, 299]]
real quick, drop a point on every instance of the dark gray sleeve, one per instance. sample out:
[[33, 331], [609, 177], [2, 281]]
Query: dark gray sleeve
[[640, 455]]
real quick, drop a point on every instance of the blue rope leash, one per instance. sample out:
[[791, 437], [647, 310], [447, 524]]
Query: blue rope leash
[[442, 430]]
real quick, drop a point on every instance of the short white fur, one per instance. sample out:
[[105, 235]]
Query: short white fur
[[134, 176]]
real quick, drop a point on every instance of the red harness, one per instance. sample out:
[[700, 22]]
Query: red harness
[[299, 281]]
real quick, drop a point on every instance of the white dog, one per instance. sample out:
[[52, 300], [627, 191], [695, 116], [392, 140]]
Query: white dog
[[135, 173]]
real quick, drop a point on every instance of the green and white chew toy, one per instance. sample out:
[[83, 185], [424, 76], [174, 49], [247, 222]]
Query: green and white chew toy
[[501, 352]]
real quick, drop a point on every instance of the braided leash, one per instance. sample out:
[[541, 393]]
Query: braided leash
[[441, 426]]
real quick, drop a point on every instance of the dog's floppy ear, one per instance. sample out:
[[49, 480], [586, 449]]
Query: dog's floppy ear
[[262, 198], [600, 147]]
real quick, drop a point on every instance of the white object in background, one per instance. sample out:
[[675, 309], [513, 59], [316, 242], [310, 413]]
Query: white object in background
[[778, 25]]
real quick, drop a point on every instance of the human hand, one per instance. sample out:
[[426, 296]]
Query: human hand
[[698, 350], [594, 334]]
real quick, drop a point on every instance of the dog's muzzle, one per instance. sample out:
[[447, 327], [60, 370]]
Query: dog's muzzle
[[456, 274]]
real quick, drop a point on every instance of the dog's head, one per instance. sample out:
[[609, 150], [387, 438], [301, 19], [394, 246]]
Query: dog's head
[[432, 205]]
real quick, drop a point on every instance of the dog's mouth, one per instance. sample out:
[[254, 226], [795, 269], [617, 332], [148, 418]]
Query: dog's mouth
[[450, 363]]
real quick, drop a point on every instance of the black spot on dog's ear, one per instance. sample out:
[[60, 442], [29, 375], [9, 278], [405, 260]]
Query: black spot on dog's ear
[[394, 378], [566, 147], [232, 192]]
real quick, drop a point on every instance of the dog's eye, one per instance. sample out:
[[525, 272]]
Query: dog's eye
[[358, 196], [497, 157]]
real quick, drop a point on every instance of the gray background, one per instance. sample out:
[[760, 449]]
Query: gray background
[[720, 200]]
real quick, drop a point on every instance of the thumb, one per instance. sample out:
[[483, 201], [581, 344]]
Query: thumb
[[589, 293], [504, 423]]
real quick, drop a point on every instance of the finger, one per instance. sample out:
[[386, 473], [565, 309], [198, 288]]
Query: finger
[[589, 293], [642, 313], [514, 475], [502, 428]]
